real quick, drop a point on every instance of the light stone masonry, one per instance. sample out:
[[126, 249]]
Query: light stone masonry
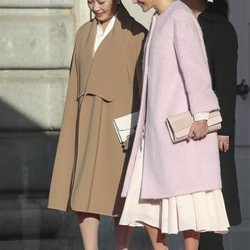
[[32, 100], [36, 39], [37, 3]]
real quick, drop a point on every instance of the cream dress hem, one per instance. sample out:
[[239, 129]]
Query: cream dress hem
[[201, 211]]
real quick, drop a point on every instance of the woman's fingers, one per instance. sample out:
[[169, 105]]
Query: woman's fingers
[[191, 132], [223, 142], [198, 130]]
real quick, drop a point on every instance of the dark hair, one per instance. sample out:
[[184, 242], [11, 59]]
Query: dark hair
[[219, 7]]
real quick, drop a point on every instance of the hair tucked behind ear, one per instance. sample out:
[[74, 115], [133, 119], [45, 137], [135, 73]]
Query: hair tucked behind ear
[[219, 7]]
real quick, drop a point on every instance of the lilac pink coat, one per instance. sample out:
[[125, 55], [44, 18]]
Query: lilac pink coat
[[176, 79]]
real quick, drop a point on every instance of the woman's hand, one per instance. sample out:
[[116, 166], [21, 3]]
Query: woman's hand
[[223, 143], [198, 130]]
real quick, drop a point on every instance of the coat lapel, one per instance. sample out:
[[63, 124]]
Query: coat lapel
[[99, 75], [84, 54]]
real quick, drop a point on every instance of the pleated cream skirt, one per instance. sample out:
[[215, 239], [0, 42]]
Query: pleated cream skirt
[[201, 211]]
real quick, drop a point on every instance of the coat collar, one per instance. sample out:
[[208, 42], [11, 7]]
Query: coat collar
[[121, 22], [122, 18], [105, 58]]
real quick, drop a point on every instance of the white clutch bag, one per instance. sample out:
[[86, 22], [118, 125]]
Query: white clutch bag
[[179, 125], [125, 126]]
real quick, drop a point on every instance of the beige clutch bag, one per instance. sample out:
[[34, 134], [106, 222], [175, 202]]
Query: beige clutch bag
[[179, 125], [125, 126]]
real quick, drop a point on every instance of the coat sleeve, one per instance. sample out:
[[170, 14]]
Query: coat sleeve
[[192, 59], [225, 75]]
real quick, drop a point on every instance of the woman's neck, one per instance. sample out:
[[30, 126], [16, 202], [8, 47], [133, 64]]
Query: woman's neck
[[161, 5], [197, 6]]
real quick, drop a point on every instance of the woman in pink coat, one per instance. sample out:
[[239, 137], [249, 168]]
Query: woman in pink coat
[[174, 187]]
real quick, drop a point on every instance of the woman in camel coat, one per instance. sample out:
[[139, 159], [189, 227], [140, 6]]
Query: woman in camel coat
[[90, 162]]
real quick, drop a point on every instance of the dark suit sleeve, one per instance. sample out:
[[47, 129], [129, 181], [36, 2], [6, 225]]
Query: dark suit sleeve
[[225, 75]]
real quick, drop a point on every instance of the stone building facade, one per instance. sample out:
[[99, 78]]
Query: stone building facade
[[37, 38]]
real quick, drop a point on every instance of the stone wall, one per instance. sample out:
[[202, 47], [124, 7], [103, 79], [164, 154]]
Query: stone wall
[[36, 42]]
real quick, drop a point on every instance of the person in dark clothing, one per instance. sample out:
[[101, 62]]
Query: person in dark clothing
[[221, 46]]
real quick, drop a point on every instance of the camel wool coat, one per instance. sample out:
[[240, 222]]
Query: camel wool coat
[[90, 162], [176, 79]]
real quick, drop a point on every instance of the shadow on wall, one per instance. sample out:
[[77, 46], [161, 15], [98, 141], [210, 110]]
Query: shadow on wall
[[26, 155], [26, 158]]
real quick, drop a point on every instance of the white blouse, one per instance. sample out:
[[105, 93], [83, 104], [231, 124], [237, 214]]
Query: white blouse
[[100, 34]]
